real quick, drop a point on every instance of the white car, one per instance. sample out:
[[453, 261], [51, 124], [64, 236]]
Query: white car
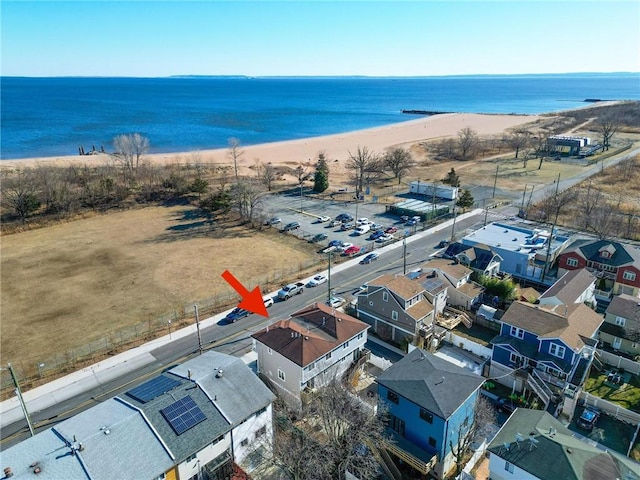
[[317, 280], [376, 226], [268, 301], [385, 238], [336, 302], [363, 221], [344, 246], [323, 219]]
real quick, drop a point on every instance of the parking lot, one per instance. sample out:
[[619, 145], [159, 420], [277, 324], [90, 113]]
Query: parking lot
[[306, 211]]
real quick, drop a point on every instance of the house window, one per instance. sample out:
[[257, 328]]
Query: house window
[[518, 268], [572, 262], [385, 297], [261, 431], [394, 315], [620, 321], [281, 375], [516, 359], [393, 397], [244, 442], [396, 424], [191, 458], [627, 275], [311, 366], [432, 442], [327, 356], [261, 411], [162, 476], [517, 332], [345, 345], [556, 350], [217, 440], [360, 335], [269, 351], [617, 343], [426, 416], [508, 467]]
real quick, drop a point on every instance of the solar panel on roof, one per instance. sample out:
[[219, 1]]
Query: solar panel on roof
[[183, 415], [431, 284], [152, 389]]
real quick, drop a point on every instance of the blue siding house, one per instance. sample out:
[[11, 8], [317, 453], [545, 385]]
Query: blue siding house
[[545, 347], [429, 402]]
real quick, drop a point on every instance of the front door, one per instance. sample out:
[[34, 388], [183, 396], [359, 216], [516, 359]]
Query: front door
[[617, 343]]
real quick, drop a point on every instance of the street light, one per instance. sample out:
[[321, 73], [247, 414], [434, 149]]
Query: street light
[[329, 279], [169, 325], [40, 367]]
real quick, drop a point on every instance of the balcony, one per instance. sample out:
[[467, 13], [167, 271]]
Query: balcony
[[421, 460]]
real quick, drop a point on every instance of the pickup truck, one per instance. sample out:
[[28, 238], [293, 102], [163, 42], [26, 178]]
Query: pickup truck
[[290, 290]]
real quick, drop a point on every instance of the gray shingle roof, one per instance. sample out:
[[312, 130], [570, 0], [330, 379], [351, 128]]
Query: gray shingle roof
[[570, 286], [431, 382], [556, 454], [130, 447], [625, 306], [237, 392], [196, 437], [52, 455]]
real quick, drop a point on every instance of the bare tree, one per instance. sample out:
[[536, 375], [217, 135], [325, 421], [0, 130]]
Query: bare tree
[[607, 126], [475, 427], [519, 139], [589, 199], [364, 167], [541, 149], [129, 149], [399, 161], [20, 193], [235, 153], [604, 220], [467, 141], [247, 197], [268, 175]]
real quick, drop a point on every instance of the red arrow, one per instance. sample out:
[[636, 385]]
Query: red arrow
[[251, 300]]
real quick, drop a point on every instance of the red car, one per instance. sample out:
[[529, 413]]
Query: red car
[[352, 250], [391, 230]]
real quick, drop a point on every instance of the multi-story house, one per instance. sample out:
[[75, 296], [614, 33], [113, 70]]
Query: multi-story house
[[616, 265], [621, 328], [525, 253], [544, 348], [462, 292], [430, 404], [533, 445], [479, 258], [575, 286], [178, 425], [396, 308], [314, 346]]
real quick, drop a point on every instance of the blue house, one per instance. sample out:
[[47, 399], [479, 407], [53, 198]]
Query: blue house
[[543, 348], [522, 251], [430, 403]]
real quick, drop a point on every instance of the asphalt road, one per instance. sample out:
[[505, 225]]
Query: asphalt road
[[235, 338]]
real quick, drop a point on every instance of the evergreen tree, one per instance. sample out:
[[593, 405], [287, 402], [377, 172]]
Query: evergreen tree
[[466, 200], [321, 177], [452, 179]]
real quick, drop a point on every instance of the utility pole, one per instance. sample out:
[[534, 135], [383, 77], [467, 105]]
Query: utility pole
[[553, 227], [329, 279], [495, 182], [195, 307], [524, 194], [455, 212], [404, 255], [20, 399], [486, 209]]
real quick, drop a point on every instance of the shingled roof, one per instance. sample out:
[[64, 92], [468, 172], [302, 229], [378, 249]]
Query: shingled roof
[[569, 287], [539, 444], [431, 382], [568, 322], [620, 254], [310, 333], [400, 286]]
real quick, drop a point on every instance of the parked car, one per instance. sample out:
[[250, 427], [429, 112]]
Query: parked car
[[344, 217], [318, 238], [317, 280], [346, 226], [291, 226], [335, 223], [363, 221], [411, 222], [336, 302], [443, 243], [353, 250], [322, 219], [289, 290], [375, 235], [391, 230], [373, 256], [385, 238], [362, 229], [344, 246], [273, 221], [335, 243], [376, 226], [236, 314], [589, 417], [268, 301]]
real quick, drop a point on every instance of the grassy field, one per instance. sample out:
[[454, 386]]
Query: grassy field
[[68, 284]]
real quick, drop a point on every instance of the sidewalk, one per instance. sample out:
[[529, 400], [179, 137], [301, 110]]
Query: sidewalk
[[69, 386]]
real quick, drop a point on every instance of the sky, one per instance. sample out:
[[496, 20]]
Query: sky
[[324, 38]]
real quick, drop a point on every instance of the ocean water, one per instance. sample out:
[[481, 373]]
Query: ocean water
[[54, 116]]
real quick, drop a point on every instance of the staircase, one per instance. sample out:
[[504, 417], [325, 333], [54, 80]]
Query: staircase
[[386, 462], [577, 378], [539, 387]]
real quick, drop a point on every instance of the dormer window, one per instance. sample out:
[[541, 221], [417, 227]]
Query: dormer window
[[517, 332], [607, 251]]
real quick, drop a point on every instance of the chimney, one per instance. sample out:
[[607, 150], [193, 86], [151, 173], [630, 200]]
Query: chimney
[[189, 373], [7, 472], [219, 374]]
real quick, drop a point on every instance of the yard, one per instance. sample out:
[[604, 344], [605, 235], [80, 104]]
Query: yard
[[626, 395]]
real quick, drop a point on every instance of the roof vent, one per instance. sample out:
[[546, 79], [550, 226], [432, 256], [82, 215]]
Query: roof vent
[[569, 450], [306, 338], [219, 373], [7, 472], [107, 431]]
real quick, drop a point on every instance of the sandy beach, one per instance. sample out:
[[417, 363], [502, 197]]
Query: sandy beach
[[336, 147]]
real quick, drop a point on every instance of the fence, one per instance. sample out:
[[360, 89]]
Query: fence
[[31, 371], [611, 409], [619, 362]]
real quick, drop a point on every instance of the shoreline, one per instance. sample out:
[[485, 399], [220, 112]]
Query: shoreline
[[335, 146]]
